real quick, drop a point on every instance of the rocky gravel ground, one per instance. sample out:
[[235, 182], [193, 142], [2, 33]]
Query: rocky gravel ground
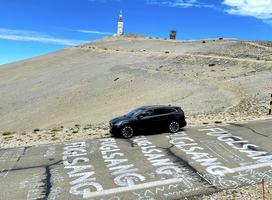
[[254, 192], [77, 132], [53, 135]]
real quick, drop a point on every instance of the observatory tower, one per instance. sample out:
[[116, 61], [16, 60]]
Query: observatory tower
[[120, 27]]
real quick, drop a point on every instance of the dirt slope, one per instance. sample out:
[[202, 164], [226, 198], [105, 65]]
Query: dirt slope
[[215, 80]]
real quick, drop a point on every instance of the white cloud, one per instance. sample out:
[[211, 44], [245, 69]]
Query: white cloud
[[23, 35], [95, 32], [260, 9], [179, 3]]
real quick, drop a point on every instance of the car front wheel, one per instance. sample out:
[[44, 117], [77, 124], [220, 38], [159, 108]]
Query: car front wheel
[[127, 131], [174, 127]]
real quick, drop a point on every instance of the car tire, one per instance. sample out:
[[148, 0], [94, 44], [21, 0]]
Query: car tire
[[174, 127], [127, 131]]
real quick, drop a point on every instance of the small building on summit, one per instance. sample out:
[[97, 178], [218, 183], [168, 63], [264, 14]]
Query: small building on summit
[[173, 34]]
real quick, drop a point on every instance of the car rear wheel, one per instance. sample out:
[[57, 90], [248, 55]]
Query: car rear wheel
[[174, 127], [127, 131]]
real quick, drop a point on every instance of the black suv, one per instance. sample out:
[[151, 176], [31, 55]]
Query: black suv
[[148, 118]]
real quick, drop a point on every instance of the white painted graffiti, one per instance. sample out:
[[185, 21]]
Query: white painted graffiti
[[12, 155], [57, 179], [248, 177], [124, 174], [220, 150], [189, 146], [178, 193], [93, 146], [168, 191], [50, 152], [239, 144], [140, 186], [34, 186], [164, 166], [252, 176], [221, 182], [146, 194], [55, 193], [156, 157], [150, 193], [80, 170]]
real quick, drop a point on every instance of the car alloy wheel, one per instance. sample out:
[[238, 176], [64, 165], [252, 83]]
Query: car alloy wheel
[[173, 127], [127, 132]]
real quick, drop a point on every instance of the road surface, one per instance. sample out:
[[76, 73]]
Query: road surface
[[194, 161]]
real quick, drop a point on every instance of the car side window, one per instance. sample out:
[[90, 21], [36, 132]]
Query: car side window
[[159, 111], [148, 113], [170, 110]]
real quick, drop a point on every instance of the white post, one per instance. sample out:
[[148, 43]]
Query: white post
[[120, 27]]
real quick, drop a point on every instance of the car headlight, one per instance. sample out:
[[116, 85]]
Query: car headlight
[[119, 123]]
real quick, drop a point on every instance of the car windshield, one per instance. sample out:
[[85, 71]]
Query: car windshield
[[135, 112]]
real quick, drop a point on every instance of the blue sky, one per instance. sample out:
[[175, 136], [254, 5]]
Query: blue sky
[[29, 28]]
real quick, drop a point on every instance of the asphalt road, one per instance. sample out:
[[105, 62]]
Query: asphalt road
[[162, 166]]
